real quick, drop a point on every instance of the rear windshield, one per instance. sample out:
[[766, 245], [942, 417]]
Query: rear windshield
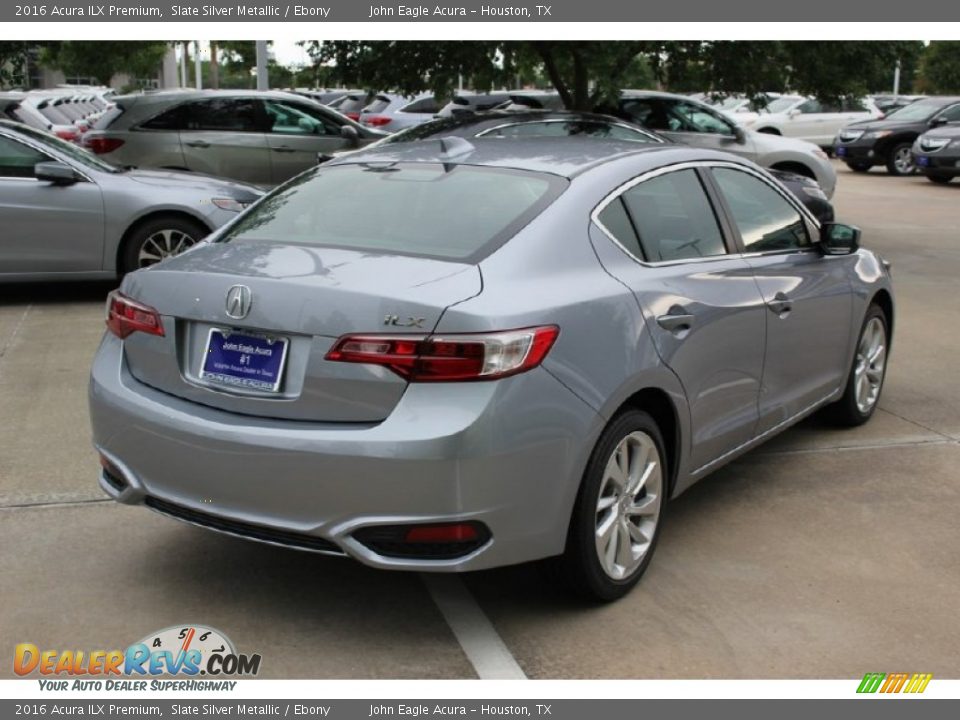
[[458, 213], [379, 104]]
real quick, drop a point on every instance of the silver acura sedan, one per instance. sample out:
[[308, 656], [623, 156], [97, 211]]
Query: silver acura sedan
[[66, 214], [455, 354]]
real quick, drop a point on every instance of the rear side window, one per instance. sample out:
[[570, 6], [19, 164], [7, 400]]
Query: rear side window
[[170, 120], [224, 115], [461, 213], [673, 218], [379, 104], [767, 222], [424, 105]]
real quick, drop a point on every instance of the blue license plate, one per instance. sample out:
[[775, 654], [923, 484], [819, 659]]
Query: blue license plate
[[923, 161], [255, 362], [841, 151]]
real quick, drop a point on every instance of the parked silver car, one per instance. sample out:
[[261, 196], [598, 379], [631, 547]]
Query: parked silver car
[[66, 214], [455, 354], [686, 120], [391, 112], [263, 138]]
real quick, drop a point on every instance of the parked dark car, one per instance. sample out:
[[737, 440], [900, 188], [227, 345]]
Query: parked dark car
[[563, 123], [888, 142], [937, 154]]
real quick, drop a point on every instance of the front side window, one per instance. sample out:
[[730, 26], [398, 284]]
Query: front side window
[[17, 160], [687, 117], [767, 222], [667, 218], [286, 118], [459, 213], [811, 106], [951, 114], [224, 115], [423, 105]]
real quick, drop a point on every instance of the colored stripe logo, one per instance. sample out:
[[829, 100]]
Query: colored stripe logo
[[894, 683]]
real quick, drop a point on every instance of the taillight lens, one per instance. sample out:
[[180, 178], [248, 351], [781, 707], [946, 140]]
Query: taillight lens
[[102, 145], [450, 358], [66, 134], [126, 316], [377, 120], [355, 116]]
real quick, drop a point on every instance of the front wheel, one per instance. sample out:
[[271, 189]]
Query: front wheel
[[619, 511], [157, 239], [865, 381], [900, 160]]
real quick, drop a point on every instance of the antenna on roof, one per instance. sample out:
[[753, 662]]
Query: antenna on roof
[[452, 146]]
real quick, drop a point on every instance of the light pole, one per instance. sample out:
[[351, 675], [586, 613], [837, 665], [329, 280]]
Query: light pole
[[263, 82]]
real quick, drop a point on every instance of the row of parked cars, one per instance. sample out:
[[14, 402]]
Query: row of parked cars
[[67, 112]]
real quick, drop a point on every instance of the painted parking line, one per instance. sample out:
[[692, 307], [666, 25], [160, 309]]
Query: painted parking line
[[481, 643]]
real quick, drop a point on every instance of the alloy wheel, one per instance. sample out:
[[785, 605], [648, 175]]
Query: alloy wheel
[[903, 161], [163, 244], [628, 505], [871, 360]]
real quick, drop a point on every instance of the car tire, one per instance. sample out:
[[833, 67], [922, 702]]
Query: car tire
[[900, 161], [865, 380], [605, 500], [859, 167], [158, 238], [940, 179]]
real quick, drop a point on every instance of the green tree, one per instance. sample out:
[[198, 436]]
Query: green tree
[[13, 56], [588, 73], [940, 67], [102, 59]]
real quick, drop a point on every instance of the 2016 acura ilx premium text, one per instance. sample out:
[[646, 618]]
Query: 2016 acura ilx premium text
[[449, 355]]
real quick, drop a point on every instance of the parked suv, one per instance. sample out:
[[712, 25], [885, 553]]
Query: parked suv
[[889, 141], [937, 154], [263, 138]]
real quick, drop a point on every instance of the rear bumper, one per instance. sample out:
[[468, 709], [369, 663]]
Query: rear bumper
[[508, 454]]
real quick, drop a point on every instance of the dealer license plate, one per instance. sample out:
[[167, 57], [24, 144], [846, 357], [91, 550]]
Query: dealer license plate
[[240, 360]]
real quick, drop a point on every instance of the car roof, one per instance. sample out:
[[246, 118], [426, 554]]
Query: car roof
[[566, 157]]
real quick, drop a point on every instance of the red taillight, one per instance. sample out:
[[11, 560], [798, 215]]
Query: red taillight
[[126, 316], [101, 145], [377, 120], [66, 134], [449, 358], [355, 116]]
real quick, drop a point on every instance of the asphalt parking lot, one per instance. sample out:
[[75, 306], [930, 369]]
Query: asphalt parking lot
[[823, 554]]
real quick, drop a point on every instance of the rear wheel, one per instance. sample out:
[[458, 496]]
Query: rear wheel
[[859, 166], [865, 380], [940, 179], [900, 160], [617, 518], [159, 238]]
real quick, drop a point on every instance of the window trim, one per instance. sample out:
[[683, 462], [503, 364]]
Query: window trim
[[732, 239]]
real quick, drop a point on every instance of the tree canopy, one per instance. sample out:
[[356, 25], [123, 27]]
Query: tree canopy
[[587, 73], [102, 59]]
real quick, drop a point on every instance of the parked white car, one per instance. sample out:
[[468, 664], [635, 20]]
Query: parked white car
[[807, 118], [391, 113]]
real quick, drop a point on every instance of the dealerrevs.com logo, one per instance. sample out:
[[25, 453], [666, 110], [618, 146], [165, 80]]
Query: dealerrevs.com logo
[[899, 682], [179, 651]]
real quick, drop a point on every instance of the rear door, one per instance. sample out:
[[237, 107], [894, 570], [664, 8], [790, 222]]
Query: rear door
[[226, 137], [297, 133], [46, 228], [807, 295], [700, 301]]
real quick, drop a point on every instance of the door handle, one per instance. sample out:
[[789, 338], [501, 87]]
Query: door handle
[[199, 144], [676, 320], [284, 148], [781, 304]]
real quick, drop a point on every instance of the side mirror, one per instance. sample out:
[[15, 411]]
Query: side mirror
[[323, 157], [839, 239], [793, 113], [57, 173], [350, 134], [938, 121], [739, 135]]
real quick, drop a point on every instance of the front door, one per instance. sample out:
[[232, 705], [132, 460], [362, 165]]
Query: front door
[[225, 137]]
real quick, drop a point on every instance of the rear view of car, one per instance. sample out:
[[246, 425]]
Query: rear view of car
[[392, 113]]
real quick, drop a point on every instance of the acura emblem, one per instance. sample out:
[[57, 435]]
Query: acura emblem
[[239, 300]]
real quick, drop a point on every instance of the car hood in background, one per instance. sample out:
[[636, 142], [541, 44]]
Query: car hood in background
[[197, 181]]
